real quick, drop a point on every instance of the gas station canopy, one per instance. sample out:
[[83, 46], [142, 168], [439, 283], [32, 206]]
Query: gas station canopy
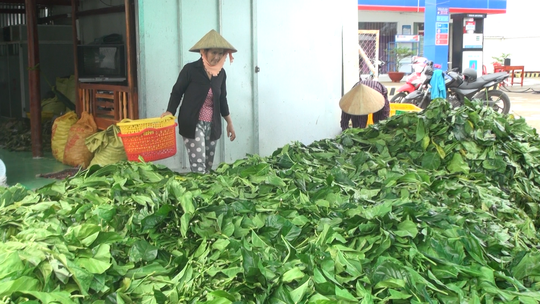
[[456, 6]]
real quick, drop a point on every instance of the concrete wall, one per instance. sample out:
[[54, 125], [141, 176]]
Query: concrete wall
[[301, 59], [306, 52]]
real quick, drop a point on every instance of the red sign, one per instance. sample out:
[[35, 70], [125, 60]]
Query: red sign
[[470, 26], [441, 39], [441, 36]]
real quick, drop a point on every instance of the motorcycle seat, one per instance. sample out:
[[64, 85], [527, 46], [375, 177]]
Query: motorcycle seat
[[482, 80]]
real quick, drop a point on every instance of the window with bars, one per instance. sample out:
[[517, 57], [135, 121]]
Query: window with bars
[[15, 14], [387, 35]]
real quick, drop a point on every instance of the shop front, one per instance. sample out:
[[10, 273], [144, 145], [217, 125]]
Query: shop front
[[417, 24]]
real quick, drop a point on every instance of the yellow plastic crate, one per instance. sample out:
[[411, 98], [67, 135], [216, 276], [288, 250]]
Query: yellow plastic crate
[[396, 109], [130, 126]]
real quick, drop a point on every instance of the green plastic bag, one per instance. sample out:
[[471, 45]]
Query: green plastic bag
[[67, 86], [52, 105], [106, 146]]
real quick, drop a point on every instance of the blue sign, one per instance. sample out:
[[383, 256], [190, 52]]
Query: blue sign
[[443, 18], [442, 25]]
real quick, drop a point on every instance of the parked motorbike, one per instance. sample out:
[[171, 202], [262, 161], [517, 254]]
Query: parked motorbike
[[414, 81], [461, 86]]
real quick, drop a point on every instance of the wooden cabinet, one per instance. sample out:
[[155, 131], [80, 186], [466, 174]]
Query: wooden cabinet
[[110, 103]]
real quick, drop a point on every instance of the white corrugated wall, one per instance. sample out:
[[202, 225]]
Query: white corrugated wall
[[305, 50]]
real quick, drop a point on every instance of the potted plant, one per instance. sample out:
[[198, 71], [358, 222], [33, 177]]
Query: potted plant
[[500, 61], [398, 53]]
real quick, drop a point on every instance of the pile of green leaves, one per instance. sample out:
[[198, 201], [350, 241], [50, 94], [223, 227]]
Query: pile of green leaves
[[438, 207]]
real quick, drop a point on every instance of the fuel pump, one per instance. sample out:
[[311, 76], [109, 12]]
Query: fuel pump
[[468, 42]]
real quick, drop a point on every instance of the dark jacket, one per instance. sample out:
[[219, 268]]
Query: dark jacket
[[193, 85]]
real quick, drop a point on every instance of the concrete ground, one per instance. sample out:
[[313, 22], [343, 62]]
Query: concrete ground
[[525, 100]]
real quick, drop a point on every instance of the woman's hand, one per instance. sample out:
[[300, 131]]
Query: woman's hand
[[230, 132], [230, 129], [165, 114]]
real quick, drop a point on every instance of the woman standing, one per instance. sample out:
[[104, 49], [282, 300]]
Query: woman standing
[[201, 87]]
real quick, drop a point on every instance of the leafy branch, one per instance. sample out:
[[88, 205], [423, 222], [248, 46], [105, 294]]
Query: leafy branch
[[500, 59]]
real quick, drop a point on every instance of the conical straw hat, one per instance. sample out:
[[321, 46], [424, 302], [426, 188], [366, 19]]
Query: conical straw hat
[[212, 40], [361, 100]]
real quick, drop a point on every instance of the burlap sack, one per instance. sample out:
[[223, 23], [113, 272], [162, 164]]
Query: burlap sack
[[76, 153], [107, 147], [60, 132]]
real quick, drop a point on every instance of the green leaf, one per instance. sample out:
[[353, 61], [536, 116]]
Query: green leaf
[[217, 294], [431, 161], [60, 271], [497, 164], [86, 234], [186, 201], [256, 170], [397, 295], [105, 213], [275, 181], [298, 294], [142, 251], [420, 131], [93, 265], [22, 284], [440, 150], [407, 229], [62, 297], [528, 266], [220, 244], [82, 277], [425, 142], [157, 218], [391, 283], [10, 264], [458, 165], [184, 224], [379, 210], [151, 269], [257, 241], [344, 295], [293, 274]]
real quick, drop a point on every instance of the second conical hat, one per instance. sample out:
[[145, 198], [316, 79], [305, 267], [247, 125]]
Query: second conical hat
[[361, 100], [212, 40]]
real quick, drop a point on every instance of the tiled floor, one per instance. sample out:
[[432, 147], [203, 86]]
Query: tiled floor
[[22, 168]]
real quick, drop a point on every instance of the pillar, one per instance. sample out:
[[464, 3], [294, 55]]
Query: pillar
[[436, 32], [34, 78]]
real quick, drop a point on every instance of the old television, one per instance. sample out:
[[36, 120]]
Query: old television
[[101, 63]]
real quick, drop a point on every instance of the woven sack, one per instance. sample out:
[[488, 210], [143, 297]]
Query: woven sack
[[60, 132], [76, 153], [106, 146]]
